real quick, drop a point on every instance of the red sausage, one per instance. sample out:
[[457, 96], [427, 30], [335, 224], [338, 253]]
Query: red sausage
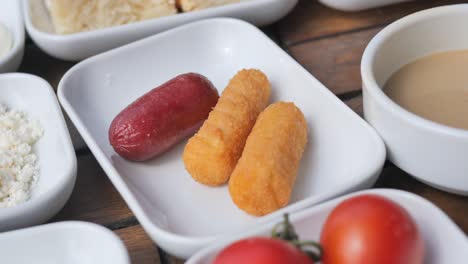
[[162, 117]]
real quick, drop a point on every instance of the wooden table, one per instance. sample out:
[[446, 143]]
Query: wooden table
[[326, 42]]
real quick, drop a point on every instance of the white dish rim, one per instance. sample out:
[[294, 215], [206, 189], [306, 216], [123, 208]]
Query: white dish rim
[[300, 215], [82, 225], [375, 91], [212, 11], [69, 174], [18, 44]]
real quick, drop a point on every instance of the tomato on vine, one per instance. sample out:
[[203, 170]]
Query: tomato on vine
[[283, 247]]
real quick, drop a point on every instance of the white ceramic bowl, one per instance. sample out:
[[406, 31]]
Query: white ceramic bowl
[[356, 5], [79, 46], [444, 241], [431, 152], [55, 152], [63, 242], [12, 18], [344, 153]]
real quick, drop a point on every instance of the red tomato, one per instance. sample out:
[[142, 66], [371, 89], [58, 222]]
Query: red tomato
[[262, 251], [370, 229]]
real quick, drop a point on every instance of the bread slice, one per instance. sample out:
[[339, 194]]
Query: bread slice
[[190, 5], [71, 16]]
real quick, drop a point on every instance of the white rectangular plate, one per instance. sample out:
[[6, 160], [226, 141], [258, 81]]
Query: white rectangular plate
[[344, 153], [54, 150], [64, 242], [84, 44], [444, 241]]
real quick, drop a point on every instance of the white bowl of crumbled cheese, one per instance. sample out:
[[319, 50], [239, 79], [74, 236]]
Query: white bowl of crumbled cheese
[[37, 159]]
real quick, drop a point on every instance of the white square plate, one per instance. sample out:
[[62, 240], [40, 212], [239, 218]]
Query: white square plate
[[56, 156], [84, 44], [435, 226], [344, 153], [12, 19], [63, 243]]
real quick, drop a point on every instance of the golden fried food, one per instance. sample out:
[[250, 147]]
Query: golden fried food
[[211, 155], [265, 174]]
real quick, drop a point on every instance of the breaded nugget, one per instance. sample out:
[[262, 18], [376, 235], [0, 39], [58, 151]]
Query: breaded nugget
[[264, 177], [211, 155]]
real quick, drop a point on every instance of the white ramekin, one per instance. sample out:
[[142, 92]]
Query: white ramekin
[[433, 153]]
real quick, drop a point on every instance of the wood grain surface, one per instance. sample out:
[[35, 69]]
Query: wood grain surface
[[140, 246], [335, 61], [328, 43], [311, 20], [94, 198]]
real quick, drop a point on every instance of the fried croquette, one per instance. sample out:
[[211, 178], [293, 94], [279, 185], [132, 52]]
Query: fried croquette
[[211, 154], [263, 179]]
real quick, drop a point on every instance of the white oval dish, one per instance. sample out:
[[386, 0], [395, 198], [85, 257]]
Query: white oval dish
[[63, 242], [431, 152], [11, 18], [82, 45], [344, 153], [56, 156], [444, 241], [356, 5]]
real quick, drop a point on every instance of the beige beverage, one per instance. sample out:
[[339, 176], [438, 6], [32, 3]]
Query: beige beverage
[[434, 87]]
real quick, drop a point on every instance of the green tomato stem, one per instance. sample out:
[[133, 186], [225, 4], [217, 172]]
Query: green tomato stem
[[286, 231]]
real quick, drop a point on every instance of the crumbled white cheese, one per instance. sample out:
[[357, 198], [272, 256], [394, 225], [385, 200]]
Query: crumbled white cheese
[[19, 170]]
